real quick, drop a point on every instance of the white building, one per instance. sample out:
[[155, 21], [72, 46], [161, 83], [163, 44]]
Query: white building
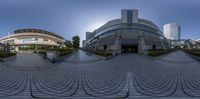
[[172, 31], [32, 39]]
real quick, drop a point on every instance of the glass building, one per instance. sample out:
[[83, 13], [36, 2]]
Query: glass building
[[172, 31]]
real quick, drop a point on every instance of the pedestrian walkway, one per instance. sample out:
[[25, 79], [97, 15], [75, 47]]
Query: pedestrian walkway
[[124, 76], [178, 57], [82, 57]]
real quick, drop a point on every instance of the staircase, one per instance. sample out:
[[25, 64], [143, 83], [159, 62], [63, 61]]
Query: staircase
[[117, 42], [188, 45], [162, 43], [142, 42], [116, 49]]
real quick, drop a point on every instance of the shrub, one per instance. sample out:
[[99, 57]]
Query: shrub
[[43, 52], [101, 52], [6, 54], [195, 52]]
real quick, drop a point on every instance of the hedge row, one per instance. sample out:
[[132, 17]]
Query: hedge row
[[158, 52], [63, 52], [6, 54], [195, 52], [100, 52]]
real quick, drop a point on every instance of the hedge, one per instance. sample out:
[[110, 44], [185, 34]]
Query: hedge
[[6, 54], [195, 52], [101, 52]]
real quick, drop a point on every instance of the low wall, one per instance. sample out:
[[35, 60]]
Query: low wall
[[55, 60], [8, 58]]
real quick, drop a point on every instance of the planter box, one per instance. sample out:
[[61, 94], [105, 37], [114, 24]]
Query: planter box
[[54, 56]]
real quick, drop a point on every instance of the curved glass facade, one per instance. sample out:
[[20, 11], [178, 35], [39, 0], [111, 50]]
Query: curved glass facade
[[36, 31]]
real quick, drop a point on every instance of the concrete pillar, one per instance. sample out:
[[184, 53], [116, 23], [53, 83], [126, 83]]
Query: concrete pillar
[[36, 48], [16, 48]]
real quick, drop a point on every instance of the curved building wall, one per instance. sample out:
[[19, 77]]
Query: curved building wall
[[104, 38]]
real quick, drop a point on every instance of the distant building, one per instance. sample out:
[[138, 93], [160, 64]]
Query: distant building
[[83, 43], [32, 39], [172, 31]]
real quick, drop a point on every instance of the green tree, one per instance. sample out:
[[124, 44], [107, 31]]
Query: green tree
[[76, 42], [68, 44]]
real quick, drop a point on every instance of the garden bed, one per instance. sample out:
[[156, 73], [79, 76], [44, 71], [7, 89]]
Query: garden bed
[[4, 56], [195, 52], [159, 52], [101, 52], [62, 53]]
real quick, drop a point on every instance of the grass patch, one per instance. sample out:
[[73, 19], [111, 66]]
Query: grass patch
[[6, 54], [159, 52]]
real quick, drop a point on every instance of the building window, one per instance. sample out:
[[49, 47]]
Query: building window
[[130, 16], [45, 39]]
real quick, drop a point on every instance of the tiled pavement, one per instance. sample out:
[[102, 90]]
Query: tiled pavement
[[82, 57], [125, 76]]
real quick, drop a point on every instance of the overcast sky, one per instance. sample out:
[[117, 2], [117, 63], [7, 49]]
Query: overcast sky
[[74, 17]]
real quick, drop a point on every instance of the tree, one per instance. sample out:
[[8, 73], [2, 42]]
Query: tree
[[68, 44], [76, 42]]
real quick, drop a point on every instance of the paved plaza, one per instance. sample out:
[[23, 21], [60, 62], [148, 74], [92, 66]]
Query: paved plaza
[[82, 57], [84, 75]]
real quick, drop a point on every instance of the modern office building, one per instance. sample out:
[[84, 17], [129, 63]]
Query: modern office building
[[127, 34], [83, 43], [172, 31], [32, 39], [198, 43]]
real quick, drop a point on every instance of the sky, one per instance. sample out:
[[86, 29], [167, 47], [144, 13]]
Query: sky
[[75, 17]]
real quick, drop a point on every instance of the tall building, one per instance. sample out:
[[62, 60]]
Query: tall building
[[172, 31], [83, 43], [129, 16]]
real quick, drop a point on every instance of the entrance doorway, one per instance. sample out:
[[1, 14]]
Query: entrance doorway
[[129, 48], [105, 47]]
